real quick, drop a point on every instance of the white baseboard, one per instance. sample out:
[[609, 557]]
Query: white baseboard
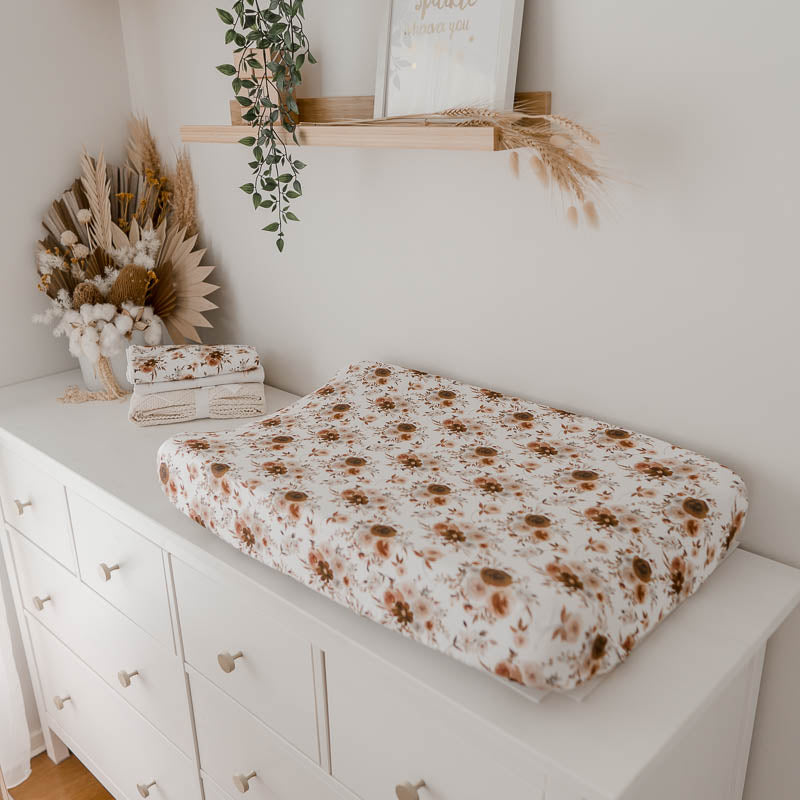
[[37, 743]]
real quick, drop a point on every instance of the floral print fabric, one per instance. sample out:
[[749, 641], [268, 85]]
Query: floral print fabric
[[166, 363], [528, 541]]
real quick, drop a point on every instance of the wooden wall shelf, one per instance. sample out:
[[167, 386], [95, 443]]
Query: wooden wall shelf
[[412, 136]]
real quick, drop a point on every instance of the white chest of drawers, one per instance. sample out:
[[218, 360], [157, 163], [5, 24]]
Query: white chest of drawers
[[178, 669]]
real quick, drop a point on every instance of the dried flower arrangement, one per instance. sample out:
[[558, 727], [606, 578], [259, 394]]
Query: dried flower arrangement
[[562, 152], [271, 49], [119, 257]]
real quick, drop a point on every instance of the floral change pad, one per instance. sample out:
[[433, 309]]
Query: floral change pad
[[527, 541]]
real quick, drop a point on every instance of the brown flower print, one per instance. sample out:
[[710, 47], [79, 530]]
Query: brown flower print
[[696, 508], [617, 437], [654, 470], [403, 613], [354, 497], [602, 517], [496, 577], [642, 569], [324, 571], [456, 426], [539, 545], [489, 485], [383, 531], [599, 647]]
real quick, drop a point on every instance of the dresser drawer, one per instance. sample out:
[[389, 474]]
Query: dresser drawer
[[35, 503], [387, 730], [106, 640], [212, 791], [273, 678], [122, 566], [122, 744], [233, 744]]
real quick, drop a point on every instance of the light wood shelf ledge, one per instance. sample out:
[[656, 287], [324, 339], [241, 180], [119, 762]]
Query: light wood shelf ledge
[[410, 136]]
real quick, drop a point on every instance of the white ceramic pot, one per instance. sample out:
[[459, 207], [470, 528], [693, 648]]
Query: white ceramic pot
[[119, 365]]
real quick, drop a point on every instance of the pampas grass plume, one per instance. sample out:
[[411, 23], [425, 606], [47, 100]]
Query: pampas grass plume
[[590, 210], [572, 216]]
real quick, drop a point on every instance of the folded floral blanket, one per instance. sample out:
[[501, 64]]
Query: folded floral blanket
[[251, 376], [230, 401], [165, 363]]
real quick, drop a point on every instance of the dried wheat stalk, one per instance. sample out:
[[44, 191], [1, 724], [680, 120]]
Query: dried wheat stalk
[[561, 157]]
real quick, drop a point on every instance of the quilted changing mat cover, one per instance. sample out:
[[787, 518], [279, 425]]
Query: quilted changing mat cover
[[527, 541]]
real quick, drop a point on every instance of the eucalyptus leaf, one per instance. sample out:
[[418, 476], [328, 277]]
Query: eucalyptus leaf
[[269, 32]]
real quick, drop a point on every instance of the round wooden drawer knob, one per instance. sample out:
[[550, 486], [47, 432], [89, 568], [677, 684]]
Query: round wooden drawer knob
[[58, 702], [227, 662], [407, 791], [125, 677], [22, 506], [144, 788], [104, 571], [38, 602], [242, 782]]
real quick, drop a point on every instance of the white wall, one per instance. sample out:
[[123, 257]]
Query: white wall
[[64, 85], [678, 317]]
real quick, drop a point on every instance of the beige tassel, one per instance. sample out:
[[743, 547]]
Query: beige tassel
[[74, 395], [514, 163], [557, 140]]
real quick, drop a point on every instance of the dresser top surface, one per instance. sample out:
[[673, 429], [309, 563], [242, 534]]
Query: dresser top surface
[[604, 741]]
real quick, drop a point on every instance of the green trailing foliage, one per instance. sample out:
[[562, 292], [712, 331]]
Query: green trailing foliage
[[270, 39]]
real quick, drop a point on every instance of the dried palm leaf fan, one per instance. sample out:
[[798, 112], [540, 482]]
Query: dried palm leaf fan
[[179, 294], [189, 282]]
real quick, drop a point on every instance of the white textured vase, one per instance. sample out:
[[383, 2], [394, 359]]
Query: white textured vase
[[119, 364]]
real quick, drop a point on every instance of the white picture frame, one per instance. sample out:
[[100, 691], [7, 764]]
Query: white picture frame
[[440, 54]]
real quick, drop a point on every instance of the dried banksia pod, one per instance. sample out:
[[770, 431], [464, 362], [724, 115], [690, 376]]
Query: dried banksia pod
[[86, 293], [130, 286]]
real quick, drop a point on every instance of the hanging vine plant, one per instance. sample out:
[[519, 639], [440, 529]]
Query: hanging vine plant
[[271, 50]]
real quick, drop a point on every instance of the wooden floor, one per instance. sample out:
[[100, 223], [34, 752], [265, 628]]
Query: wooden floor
[[69, 780]]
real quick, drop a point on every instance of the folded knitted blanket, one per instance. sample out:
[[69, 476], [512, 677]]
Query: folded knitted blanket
[[231, 401], [165, 363]]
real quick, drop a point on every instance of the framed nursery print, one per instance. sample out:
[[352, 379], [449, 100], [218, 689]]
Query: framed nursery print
[[440, 54]]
